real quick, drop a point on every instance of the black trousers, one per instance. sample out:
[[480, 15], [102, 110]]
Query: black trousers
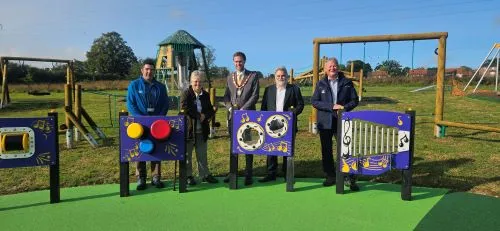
[[272, 165], [248, 158], [326, 136]]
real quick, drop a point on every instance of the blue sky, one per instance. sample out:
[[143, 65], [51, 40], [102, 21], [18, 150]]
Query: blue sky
[[271, 33]]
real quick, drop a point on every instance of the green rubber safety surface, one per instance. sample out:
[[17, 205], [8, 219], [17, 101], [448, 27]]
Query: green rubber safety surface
[[263, 206]]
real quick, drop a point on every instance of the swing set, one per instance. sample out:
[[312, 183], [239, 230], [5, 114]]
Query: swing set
[[440, 124], [72, 103]]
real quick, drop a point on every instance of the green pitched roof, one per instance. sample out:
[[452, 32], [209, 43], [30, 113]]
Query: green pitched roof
[[182, 39]]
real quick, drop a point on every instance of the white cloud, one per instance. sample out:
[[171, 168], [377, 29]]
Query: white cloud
[[177, 14]]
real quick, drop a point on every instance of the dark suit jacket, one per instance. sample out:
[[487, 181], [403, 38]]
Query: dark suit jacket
[[188, 104], [322, 100], [249, 94], [293, 97]]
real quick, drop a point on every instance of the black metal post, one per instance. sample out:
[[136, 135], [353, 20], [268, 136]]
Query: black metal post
[[339, 181], [290, 171], [182, 163], [233, 158], [55, 191], [124, 167], [407, 173]]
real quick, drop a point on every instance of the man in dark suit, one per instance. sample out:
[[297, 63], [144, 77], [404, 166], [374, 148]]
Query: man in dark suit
[[333, 92], [242, 93], [281, 97]]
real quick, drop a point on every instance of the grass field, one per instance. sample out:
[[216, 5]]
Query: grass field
[[464, 160]]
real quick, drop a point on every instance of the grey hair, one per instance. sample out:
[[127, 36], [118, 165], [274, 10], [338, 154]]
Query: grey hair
[[333, 59], [281, 68], [197, 73]]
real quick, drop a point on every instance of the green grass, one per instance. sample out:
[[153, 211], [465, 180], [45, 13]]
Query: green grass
[[464, 160]]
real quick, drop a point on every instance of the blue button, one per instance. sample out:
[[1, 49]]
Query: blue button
[[146, 146]]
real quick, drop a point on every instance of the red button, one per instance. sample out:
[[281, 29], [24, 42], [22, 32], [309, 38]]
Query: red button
[[160, 129]]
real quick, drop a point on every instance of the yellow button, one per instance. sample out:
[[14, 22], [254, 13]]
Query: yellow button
[[135, 130]]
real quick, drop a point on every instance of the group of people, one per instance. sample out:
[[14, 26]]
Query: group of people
[[333, 92]]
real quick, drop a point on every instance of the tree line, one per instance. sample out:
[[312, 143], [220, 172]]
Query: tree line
[[110, 58]]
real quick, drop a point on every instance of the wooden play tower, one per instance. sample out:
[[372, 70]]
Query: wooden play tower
[[175, 59]]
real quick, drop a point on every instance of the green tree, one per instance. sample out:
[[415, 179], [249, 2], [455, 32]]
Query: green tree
[[392, 67], [110, 54], [358, 65]]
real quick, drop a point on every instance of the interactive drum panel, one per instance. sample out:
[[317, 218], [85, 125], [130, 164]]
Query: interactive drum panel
[[27, 142], [373, 142], [262, 133], [152, 138]]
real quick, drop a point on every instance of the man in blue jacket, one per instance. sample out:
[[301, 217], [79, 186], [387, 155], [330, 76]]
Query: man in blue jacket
[[333, 92], [147, 97]]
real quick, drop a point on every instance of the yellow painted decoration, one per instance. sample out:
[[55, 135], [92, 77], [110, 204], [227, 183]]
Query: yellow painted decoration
[[26, 142], [354, 166], [135, 130], [283, 146], [400, 122], [245, 118], [383, 163], [366, 162], [345, 166]]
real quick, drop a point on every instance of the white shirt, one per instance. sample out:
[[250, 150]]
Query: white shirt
[[333, 86], [198, 108], [280, 99]]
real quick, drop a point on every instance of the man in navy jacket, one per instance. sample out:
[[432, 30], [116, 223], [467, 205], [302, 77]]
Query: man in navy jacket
[[333, 92], [147, 97]]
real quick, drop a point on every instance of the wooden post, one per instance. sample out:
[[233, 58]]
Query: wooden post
[[352, 69], [291, 76], [3, 100], [55, 195], [85, 133], [203, 55], [92, 124], [212, 100], [438, 113], [315, 81], [360, 93], [77, 109], [69, 124]]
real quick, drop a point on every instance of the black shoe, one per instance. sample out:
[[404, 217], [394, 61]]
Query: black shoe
[[267, 179], [329, 181], [351, 183], [141, 184], [157, 182], [226, 180], [248, 181], [210, 179], [191, 181]]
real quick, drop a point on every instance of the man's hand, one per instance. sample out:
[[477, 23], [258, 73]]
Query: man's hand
[[338, 107], [202, 117]]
